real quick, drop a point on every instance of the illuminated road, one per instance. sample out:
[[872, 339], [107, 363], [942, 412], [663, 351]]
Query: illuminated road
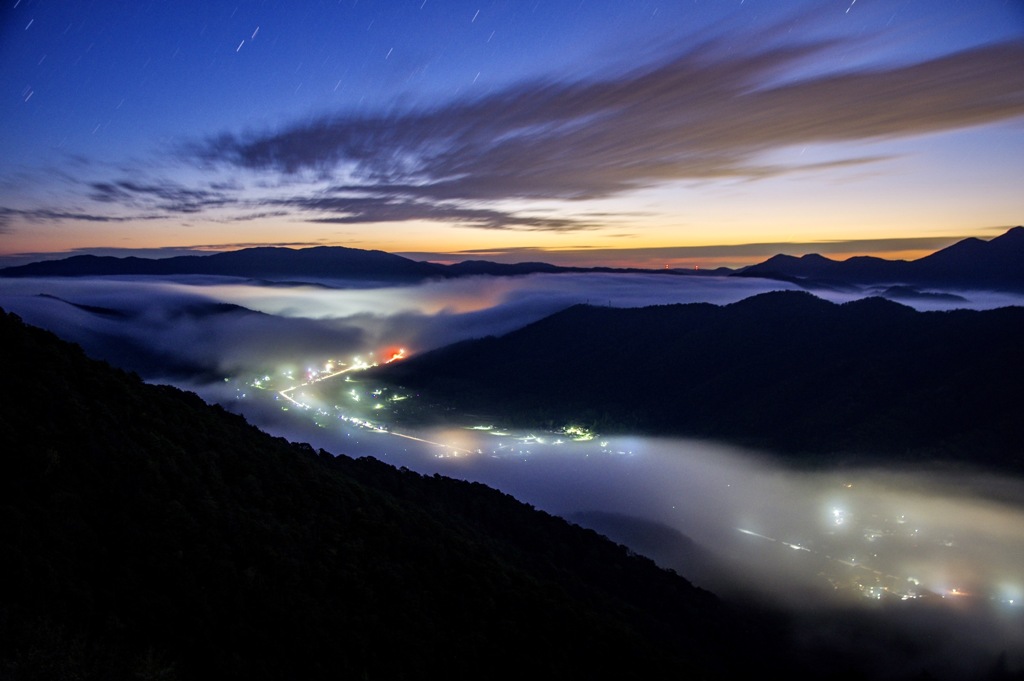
[[362, 366], [358, 366], [872, 592], [286, 392]]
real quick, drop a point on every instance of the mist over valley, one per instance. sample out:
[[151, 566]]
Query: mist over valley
[[918, 550]]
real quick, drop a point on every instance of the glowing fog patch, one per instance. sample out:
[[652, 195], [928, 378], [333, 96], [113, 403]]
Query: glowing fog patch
[[869, 535], [458, 296]]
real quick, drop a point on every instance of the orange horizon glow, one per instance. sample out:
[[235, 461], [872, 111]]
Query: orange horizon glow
[[619, 258], [651, 247]]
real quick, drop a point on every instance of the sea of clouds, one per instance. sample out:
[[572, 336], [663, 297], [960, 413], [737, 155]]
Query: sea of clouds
[[739, 523]]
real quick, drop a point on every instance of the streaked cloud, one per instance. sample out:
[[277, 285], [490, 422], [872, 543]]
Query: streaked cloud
[[365, 209], [715, 110], [164, 196], [54, 215], [708, 112]]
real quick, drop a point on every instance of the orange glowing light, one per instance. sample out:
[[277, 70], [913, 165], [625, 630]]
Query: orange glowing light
[[394, 354]]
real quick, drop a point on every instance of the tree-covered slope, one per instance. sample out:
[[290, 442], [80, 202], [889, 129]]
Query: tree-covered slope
[[145, 534], [783, 370]]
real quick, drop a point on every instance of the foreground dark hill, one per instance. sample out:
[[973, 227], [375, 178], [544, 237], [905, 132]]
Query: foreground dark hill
[[783, 370], [144, 534], [997, 264]]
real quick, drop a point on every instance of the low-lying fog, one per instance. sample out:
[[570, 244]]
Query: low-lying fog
[[910, 569]]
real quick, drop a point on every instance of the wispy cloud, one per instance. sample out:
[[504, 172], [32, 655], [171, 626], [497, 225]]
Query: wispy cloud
[[165, 196], [711, 111], [706, 113], [53, 215], [363, 209]]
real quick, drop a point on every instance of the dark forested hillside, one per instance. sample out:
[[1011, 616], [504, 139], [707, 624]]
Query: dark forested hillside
[[144, 534], [783, 370]]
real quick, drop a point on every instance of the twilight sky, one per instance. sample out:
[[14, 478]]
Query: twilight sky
[[687, 132]]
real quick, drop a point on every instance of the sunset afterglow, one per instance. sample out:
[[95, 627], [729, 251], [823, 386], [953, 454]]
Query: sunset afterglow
[[627, 134]]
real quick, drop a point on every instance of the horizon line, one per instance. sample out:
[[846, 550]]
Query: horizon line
[[709, 256]]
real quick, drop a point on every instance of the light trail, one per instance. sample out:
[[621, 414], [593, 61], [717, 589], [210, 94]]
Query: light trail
[[429, 442], [755, 534], [362, 366], [285, 395], [358, 366], [848, 563]]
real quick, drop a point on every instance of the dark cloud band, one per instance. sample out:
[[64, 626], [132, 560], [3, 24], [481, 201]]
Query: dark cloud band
[[704, 114]]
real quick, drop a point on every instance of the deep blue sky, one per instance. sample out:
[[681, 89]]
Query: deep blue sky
[[508, 126]]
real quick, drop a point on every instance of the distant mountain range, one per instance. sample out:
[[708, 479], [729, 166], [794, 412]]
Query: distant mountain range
[[971, 264], [997, 264], [285, 264], [785, 371], [258, 263]]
